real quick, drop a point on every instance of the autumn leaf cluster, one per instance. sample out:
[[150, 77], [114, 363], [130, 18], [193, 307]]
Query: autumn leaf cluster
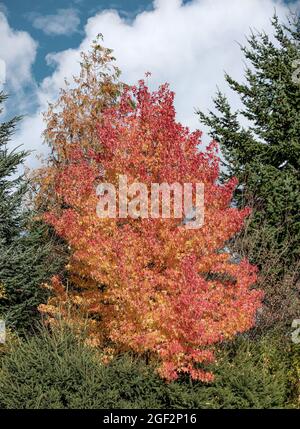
[[150, 285]]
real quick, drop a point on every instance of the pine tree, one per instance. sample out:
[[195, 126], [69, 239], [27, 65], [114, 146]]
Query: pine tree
[[11, 190], [265, 156], [26, 254]]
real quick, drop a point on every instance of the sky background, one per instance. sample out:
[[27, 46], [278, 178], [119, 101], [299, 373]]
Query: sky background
[[186, 43]]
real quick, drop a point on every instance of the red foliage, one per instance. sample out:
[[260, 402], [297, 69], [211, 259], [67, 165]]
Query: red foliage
[[153, 285]]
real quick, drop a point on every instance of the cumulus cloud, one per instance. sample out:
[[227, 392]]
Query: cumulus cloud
[[29, 138], [64, 22], [17, 54], [3, 8], [2, 73], [188, 45]]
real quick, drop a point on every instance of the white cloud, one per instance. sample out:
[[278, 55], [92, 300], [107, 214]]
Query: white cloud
[[3, 8], [28, 137], [64, 22], [190, 46], [2, 73], [18, 52]]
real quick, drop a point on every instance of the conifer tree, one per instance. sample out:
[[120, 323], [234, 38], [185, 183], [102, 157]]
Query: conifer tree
[[11, 190], [26, 252], [265, 155]]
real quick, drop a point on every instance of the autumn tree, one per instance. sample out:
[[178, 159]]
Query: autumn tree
[[151, 285], [71, 120]]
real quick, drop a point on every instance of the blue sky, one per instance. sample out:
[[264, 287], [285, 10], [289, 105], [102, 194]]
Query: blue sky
[[186, 43], [22, 15]]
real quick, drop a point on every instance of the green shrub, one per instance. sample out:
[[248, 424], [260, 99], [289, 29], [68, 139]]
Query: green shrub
[[294, 375], [58, 371], [250, 374]]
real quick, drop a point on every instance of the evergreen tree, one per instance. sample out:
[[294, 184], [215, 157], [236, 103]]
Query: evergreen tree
[[11, 190], [265, 156], [27, 249]]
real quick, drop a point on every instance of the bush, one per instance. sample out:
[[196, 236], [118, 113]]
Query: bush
[[251, 374], [248, 375], [294, 375], [278, 277], [59, 371]]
